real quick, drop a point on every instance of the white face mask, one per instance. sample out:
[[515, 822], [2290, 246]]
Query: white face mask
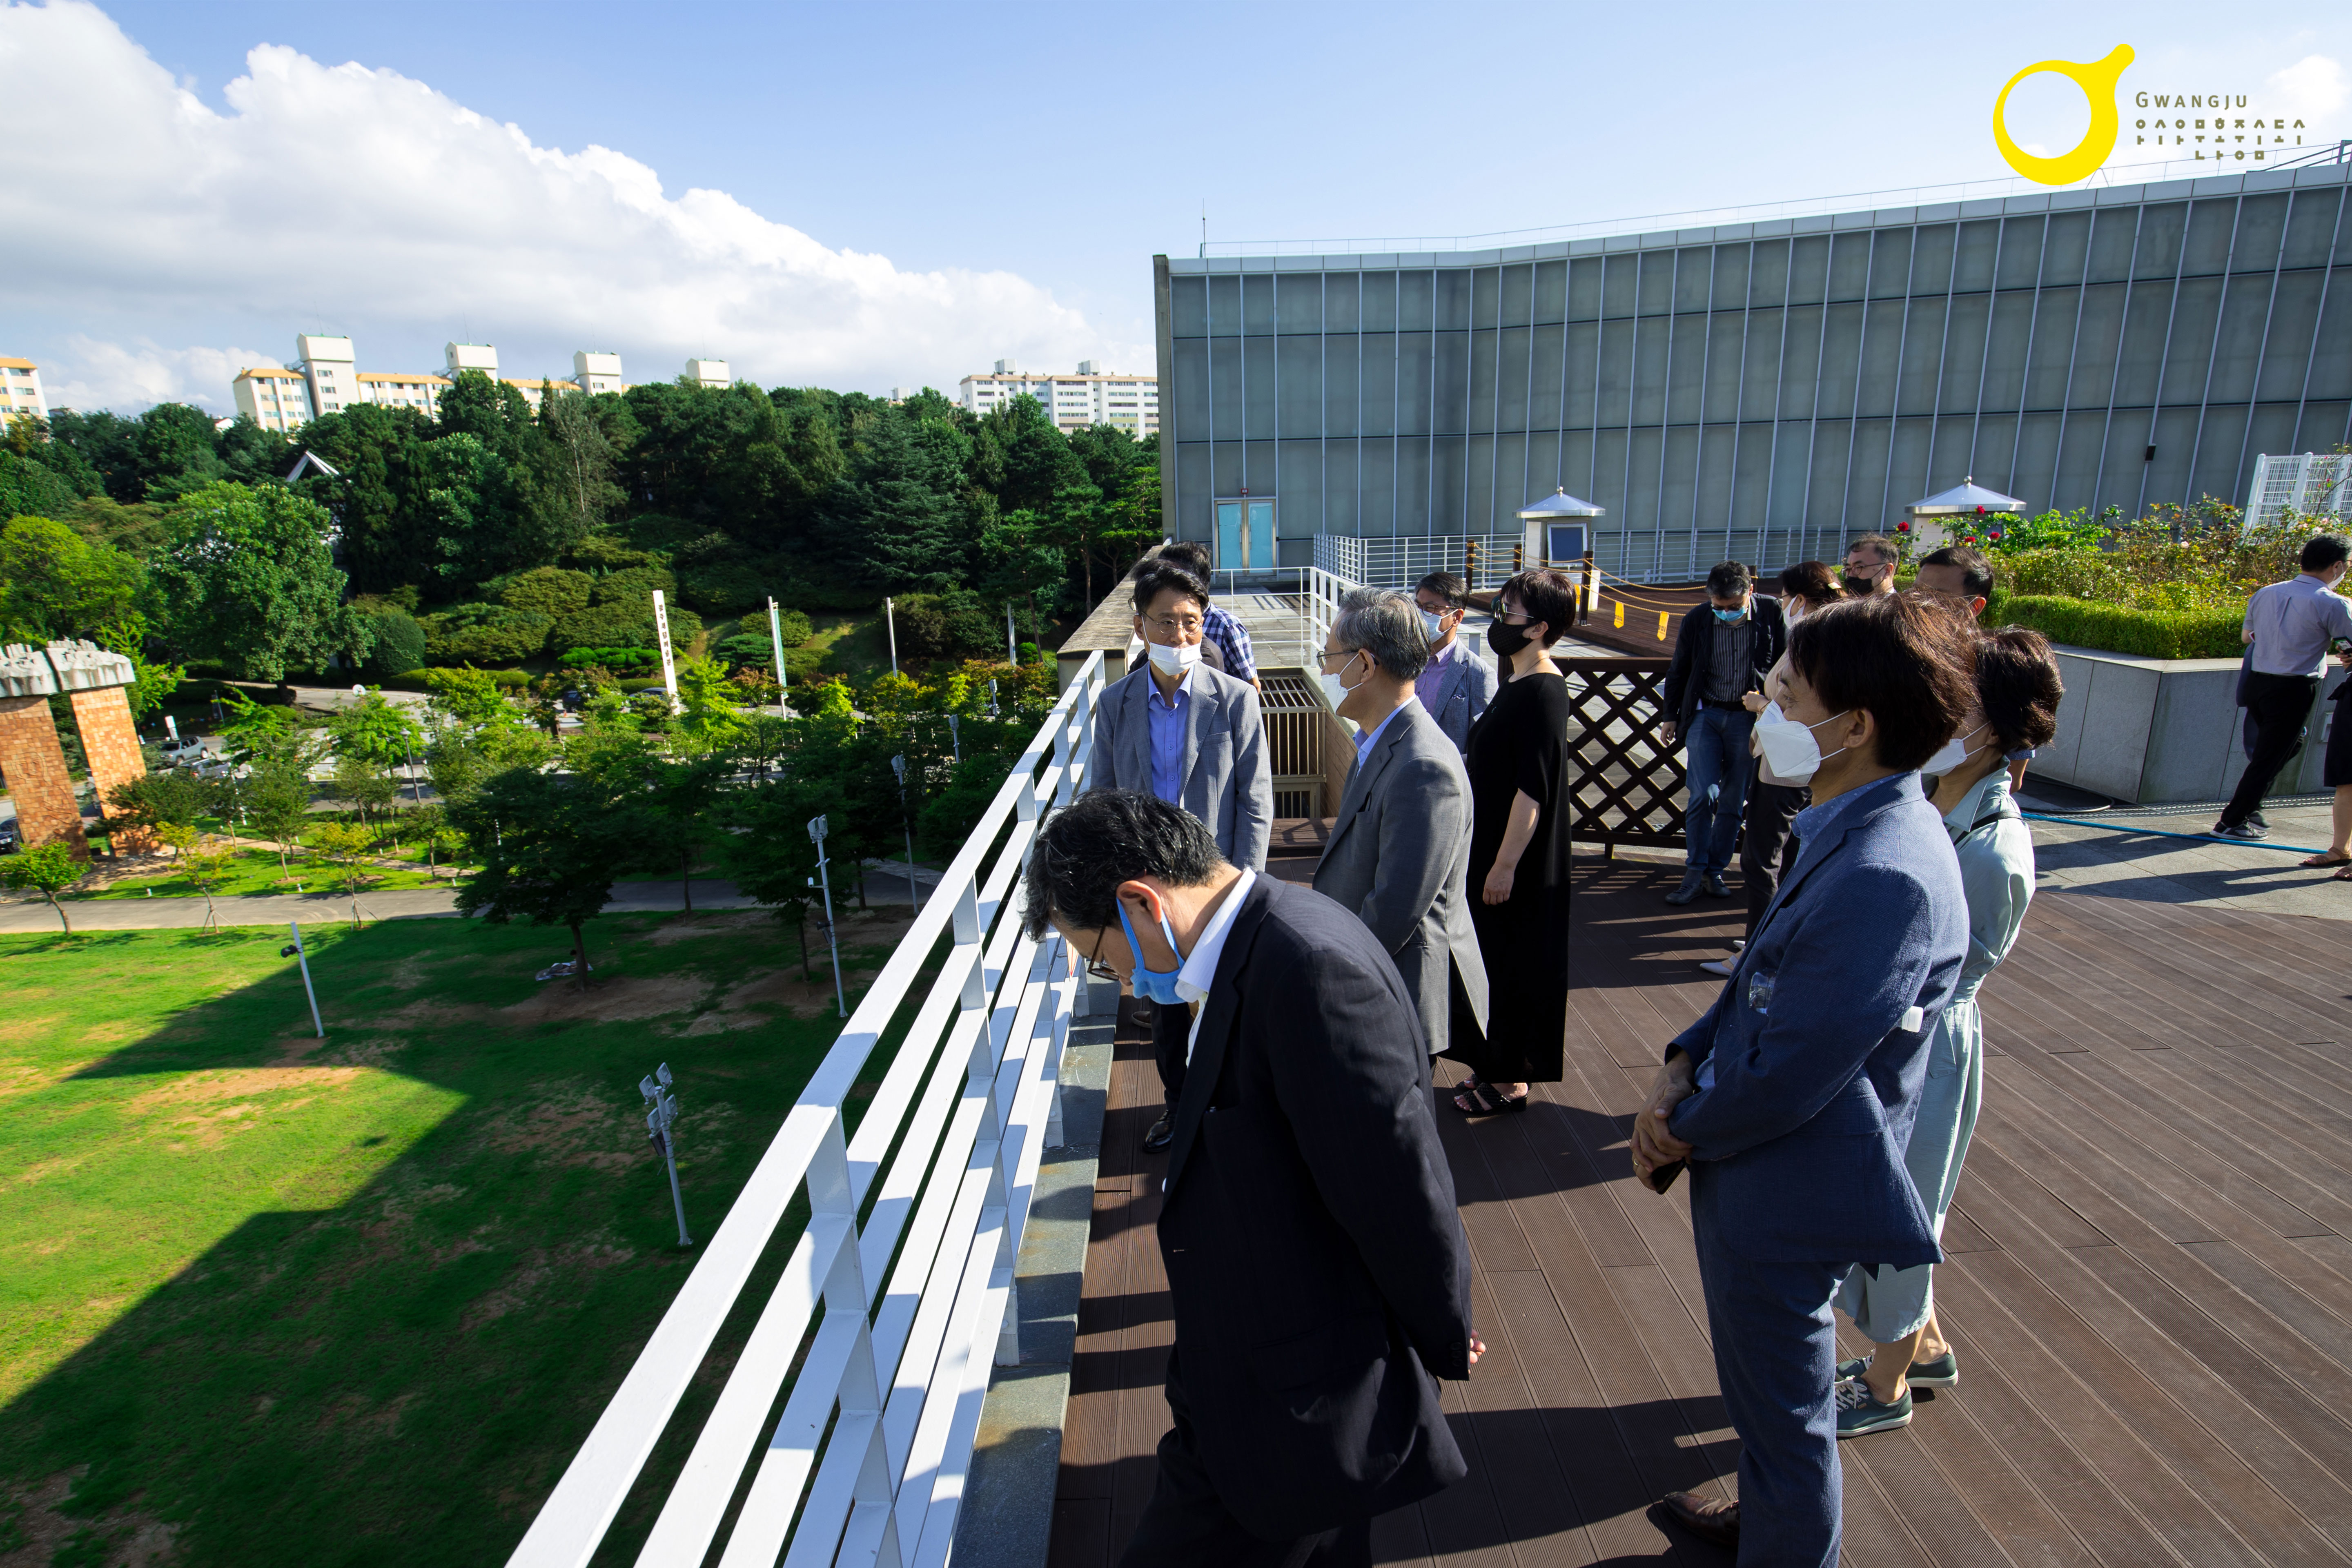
[[1952, 754], [1175, 660], [1432, 626], [1790, 748], [1335, 690]]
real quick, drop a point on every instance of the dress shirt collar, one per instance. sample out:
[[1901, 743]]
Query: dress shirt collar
[[1815, 821], [1987, 795], [1200, 970], [1364, 739], [1183, 689]]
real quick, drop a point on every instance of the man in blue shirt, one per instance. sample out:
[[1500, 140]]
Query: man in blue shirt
[[1459, 683], [2289, 626], [1220, 628]]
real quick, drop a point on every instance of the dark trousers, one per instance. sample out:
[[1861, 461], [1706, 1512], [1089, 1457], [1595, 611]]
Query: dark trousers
[[1768, 848], [2279, 707], [1775, 1359], [1167, 1049], [1186, 1526]]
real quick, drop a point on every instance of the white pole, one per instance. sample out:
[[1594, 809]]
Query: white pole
[[303, 959], [1012, 655], [816, 830], [661, 632], [899, 766], [776, 632], [890, 621]]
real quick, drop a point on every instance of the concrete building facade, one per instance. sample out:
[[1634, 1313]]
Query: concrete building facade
[[272, 398], [712, 373], [20, 390], [1760, 392], [1092, 396], [328, 370], [596, 372]]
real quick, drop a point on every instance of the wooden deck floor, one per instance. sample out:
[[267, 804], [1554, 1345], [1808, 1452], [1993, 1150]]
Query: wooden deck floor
[[2149, 1283]]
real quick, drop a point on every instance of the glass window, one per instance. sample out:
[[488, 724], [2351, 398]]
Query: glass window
[[1339, 384], [1413, 369], [1923, 346], [1760, 365], [1685, 367], [2112, 242], [2020, 253], [1545, 352], [2293, 313], [1654, 294], [1906, 468], [1340, 514], [1301, 489], [1949, 462], [1258, 467], [2240, 340], [1730, 286], [1711, 498], [1841, 360], [1723, 353], [1482, 494], [1582, 375], [1225, 305], [2053, 342], [1809, 262], [2076, 480], [1511, 377], [1414, 513], [1376, 493], [1299, 385], [1694, 276], [2158, 249], [1257, 390], [2262, 230], [1550, 301], [2311, 228], [2067, 247], [1299, 302], [1189, 365], [1585, 288], [1679, 495], [2331, 373], [1849, 265], [1642, 453], [1768, 282], [1258, 302], [1543, 469], [1188, 306], [1618, 283], [2100, 327], [1480, 382], [1825, 494], [1882, 356], [1446, 475], [1485, 298], [1341, 291], [1380, 302], [1452, 285], [1651, 342], [2193, 315], [2322, 426], [1890, 263], [1931, 259], [1416, 301], [2208, 245], [1518, 285], [1450, 383], [2216, 460], [2003, 380], [2034, 464], [1800, 358], [1377, 396], [1224, 390], [1192, 478]]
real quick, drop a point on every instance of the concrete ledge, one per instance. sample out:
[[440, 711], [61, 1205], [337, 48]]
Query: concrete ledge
[[2154, 730], [1007, 1519]]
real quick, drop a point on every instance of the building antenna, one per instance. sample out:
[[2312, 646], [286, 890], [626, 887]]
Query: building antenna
[[1204, 228]]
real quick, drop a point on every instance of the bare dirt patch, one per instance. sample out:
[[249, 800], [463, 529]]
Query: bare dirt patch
[[238, 1083], [576, 1125], [618, 1000], [701, 925], [36, 1531], [568, 1262], [770, 990]]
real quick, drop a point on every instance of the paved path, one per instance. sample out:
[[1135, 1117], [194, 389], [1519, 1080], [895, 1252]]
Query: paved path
[[2140, 863]]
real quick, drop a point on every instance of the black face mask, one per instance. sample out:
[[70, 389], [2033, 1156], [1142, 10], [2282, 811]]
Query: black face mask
[[1860, 587], [1506, 641]]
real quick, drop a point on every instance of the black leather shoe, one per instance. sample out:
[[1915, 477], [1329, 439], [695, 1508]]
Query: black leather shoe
[[1161, 1133], [1710, 1519]]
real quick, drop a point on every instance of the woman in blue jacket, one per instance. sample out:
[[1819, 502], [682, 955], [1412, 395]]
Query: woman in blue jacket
[[1792, 1098]]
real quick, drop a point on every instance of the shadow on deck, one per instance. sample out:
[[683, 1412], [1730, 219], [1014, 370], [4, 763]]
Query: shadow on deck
[[2149, 1282]]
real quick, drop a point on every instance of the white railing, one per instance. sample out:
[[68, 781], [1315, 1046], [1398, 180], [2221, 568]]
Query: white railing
[[1319, 605], [866, 1465], [1485, 560]]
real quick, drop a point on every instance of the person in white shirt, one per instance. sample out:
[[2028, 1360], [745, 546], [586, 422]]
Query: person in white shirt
[[2289, 629]]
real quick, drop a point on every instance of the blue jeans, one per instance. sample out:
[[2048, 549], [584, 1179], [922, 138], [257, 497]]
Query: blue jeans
[[1717, 768]]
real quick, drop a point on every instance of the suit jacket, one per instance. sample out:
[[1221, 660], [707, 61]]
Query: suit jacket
[[1399, 856], [1817, 1078], [1694, 651], [1227, 778], [1315, 1255], [1468, 685]]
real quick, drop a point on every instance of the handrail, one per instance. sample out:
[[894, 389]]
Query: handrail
[[877, 1435]]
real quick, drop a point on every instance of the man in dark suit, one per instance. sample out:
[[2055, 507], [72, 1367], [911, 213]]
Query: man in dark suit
[[1723, 652], [1315, 1256], [1793, 1097], [1399, 854]]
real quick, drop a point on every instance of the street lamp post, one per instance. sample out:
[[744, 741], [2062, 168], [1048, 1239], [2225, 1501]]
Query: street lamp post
[[816, 832], [955, 738], [1012, 654], [899, 766], [890, 623], [661, 1121], [776, 635], [294, 951]]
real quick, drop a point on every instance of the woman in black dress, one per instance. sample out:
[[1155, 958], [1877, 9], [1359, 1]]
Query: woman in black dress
[[1519, 851]]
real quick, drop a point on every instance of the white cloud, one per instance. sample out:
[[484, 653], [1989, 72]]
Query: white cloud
[[95, 374], [2311, 89], [371, 197]]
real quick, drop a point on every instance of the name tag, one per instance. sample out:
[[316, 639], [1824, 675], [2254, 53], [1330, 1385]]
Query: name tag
[[1912, 1020]]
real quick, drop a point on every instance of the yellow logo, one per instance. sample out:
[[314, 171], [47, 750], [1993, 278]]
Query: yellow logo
[[2097, 81]]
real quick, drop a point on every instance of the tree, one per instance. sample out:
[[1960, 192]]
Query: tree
[[278, 802], [365, 784], [549, 846], [250, 579], [373, 730], [343, 848], [176, 450], [890, 526], [767, 851], [581, 491], [48, 869], [206, 863], [55, 584], [712, 715], [153, 803]]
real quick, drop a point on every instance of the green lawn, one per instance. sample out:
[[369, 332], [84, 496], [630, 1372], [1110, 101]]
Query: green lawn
[[252, 871], [356, 1301]]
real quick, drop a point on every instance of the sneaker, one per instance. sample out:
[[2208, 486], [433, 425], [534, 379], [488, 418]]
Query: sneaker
[[1859, 1414], [1687, 891], [1722, 966], [2250, 828], [1716, 888], [2259, 820], [1944, 1371]]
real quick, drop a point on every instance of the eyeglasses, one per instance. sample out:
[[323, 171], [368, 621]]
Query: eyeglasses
[[1511, 617], [1175, 627], [1096, 967], [1331, 654]]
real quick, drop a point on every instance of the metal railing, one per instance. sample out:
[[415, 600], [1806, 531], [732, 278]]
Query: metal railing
[[898, 1293]]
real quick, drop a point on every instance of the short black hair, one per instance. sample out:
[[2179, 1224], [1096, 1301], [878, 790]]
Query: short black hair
[[2322, 550], [1156, 578], [1547, 595], [1446, 586], [1908, 663], [1976, 572], [1812, 582], [1731, 580], [1878, 544], [1107, 837], [1194, 557], [2017, 687]]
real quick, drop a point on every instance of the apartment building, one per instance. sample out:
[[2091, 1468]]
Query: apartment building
[[593, 372], [20, 390], [396, 389], [1092, 396], [708, 372], [328, 371], [272, 398]]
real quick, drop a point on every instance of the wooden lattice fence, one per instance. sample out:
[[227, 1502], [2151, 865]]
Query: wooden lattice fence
[[1627, 784]]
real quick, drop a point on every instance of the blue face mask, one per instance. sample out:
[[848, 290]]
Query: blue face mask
[[1152, 984], [1732, 618]]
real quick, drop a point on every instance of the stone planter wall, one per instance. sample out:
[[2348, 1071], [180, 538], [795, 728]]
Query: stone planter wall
[[2148, 730]]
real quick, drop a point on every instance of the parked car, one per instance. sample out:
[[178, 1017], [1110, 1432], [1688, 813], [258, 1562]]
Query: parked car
[[8, 836], [186, 750]]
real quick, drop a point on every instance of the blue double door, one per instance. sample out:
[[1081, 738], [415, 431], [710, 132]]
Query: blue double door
[[1244, 536]]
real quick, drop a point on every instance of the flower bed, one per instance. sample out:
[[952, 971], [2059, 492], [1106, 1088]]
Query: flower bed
[[2118, 628]]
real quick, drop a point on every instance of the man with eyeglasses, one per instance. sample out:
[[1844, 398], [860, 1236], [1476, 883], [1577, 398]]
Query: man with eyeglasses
[[1869, 566], [1179, 731], [1458, 683]]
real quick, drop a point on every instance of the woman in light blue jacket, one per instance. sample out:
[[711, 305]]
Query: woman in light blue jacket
[[2017, 691]]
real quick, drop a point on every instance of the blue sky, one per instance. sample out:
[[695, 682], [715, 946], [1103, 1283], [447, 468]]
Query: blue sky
[[1017, 170]]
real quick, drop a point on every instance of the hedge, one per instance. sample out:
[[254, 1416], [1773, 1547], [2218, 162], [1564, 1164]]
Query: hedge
[[414, 679], [2152, 634]]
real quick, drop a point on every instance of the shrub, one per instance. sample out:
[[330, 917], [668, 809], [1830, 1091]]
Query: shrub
[[397, 642], [622, 626], [725, 586], [950, 625], [549, 591], [2113, 629], [484, 635], [609, 657], [633, 587], [793, 624]]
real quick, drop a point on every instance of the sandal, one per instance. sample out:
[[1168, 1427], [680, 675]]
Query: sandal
[[2326, 858], [2343, 876], [1485, 1099]]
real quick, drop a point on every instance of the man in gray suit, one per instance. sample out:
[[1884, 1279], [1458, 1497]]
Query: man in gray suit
[[1399, 854], [1459, 683], [1180, 731]]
